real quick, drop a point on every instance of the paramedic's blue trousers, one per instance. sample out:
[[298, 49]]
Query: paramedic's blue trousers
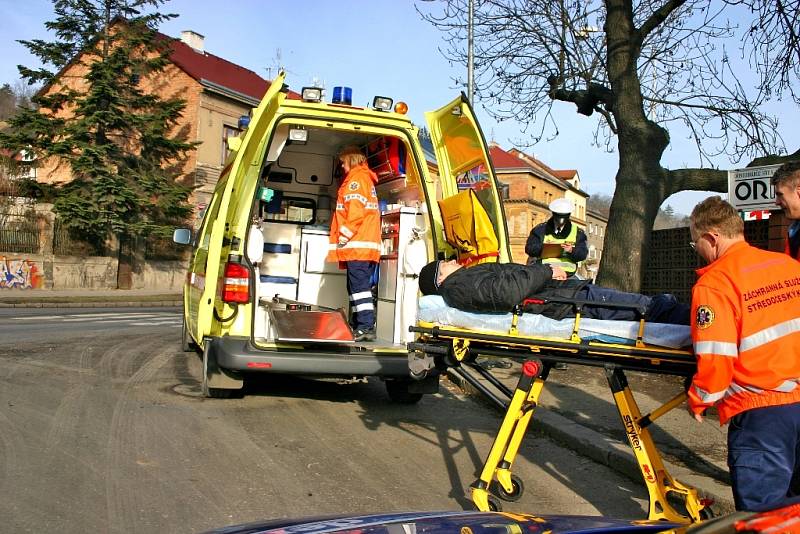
[[359, 287], [763, 455]]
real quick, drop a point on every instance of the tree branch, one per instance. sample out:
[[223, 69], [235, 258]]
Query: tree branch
[[656, 19], [697, 180]]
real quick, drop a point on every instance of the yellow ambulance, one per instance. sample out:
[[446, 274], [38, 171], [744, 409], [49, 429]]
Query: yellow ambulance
[[260, 296]]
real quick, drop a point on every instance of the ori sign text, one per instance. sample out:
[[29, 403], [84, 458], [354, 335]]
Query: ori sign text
[[749, 189]]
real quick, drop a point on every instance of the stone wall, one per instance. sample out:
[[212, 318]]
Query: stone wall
[[47, 271]]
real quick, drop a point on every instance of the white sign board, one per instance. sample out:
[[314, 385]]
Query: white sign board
[[749, 189]]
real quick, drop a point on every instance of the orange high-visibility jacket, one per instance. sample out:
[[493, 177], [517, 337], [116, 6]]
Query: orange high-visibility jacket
[[356, 219], [746, 332]]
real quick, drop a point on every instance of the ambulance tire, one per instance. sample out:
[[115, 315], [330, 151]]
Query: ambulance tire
[[517, 489], [187, 343], [398, 392]]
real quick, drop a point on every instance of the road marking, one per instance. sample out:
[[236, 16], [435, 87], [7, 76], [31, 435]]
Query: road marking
[[90, 316]]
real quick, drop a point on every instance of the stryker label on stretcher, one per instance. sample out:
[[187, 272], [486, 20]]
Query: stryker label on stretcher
[[433, 309]]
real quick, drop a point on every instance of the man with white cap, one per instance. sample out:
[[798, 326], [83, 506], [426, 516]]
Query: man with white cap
[[558, 242]]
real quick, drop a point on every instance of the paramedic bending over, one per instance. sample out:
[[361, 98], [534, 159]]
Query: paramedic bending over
[[355, 238], [746, 334]]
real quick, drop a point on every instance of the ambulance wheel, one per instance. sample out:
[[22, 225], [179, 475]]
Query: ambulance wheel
[[398, 392], [187, 343], [517, 489]]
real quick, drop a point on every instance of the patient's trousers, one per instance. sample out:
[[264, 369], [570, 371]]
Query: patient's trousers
[[663, 308]]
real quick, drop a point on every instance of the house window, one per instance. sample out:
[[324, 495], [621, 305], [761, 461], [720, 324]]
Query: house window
[[504, 188], [227, 131]]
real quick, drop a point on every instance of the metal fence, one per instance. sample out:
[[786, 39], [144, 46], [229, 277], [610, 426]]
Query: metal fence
[[66, 244], [19, 232], [163, 249]]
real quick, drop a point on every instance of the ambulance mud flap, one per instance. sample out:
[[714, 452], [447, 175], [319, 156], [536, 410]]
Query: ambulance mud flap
[[217, 382]]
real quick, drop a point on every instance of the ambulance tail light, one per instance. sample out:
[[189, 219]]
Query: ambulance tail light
[[236, 286], [382, 103]]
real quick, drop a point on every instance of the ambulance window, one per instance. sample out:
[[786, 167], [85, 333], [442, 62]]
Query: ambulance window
[[227, 131], [210, 215], [288, 209]]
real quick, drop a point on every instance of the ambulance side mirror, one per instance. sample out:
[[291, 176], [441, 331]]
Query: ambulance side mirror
[[182, 236]]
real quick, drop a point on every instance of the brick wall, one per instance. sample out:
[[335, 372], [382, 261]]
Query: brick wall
[[672, 263]]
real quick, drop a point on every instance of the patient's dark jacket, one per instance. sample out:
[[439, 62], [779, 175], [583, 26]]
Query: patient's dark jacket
[[499, 287]]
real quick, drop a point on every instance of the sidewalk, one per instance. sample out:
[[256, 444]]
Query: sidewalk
[[83, 298], [576, 407], [577, 410]]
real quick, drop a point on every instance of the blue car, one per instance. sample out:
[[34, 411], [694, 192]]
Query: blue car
[[781, 519]]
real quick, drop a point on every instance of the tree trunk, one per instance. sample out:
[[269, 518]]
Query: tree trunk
[[639, 193]]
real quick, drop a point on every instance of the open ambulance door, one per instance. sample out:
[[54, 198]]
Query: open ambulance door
[[464, 164], [239, 176]]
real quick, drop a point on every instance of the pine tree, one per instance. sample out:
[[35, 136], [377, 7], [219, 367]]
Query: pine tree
[[117, 138]]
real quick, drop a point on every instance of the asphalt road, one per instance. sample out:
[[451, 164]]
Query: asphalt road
[[102, 428]]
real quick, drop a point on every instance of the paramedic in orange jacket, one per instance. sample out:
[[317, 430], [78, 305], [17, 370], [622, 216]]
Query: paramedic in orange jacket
[[746, 335], [786, 182], [355, 237]]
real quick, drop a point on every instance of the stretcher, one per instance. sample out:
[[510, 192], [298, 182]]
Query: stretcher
[[454, 342]]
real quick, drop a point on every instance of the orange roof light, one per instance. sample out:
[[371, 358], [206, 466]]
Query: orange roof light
[[401, 108]]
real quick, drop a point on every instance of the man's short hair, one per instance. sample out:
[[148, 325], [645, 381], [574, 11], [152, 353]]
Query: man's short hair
[[718, 215], [787, 174], [353, 155], [428, 276]]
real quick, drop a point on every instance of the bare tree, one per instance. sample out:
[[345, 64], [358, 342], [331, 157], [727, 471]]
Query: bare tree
[[641, 68]]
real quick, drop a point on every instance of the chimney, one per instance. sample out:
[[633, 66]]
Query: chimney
[[193, 39]]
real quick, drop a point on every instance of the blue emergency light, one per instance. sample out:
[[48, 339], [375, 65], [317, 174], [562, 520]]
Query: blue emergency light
[[342, 95]]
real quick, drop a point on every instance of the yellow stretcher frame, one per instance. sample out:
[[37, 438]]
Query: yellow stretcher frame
[[452, 346]]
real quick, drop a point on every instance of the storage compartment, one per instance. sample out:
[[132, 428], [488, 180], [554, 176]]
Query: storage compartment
[[397, 287], [386, 156]]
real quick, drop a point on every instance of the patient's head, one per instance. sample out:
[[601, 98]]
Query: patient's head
[[432, 275]]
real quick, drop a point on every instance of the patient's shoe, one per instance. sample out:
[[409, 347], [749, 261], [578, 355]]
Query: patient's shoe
[[363, 334]]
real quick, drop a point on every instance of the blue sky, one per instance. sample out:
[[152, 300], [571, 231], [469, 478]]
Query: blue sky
[[375, 47]]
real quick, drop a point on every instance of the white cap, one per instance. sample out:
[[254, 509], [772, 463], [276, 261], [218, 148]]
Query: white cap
[[561, 205]]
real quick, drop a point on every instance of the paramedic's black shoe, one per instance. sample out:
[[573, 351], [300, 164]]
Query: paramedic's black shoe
[[560, 366], [364, 335]]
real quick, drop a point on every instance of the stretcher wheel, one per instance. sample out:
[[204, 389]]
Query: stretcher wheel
[[494, 504], [517, 489]]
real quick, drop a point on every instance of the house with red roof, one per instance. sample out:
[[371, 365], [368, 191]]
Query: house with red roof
[[528, 186], [217, 93]]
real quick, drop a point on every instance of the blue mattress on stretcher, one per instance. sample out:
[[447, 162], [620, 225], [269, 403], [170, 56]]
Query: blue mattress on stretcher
[[433, 309]]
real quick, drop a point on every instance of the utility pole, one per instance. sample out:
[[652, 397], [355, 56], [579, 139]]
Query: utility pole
[[470, 58]]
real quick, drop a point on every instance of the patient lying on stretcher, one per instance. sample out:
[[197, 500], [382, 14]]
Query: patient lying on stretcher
[[500, 287]]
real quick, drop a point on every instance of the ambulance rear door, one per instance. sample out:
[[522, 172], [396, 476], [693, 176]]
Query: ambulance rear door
[[240, 177], [463, 158]]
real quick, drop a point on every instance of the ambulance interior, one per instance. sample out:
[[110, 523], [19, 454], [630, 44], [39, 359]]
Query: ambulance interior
[[298, 293]]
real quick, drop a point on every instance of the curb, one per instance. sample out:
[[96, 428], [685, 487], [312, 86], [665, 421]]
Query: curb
[[611, 453], [96, 304]]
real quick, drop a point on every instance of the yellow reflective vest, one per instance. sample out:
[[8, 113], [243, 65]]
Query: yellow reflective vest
[[553, 254]]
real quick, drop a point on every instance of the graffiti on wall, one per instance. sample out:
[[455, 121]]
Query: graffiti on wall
[[19, 274]]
